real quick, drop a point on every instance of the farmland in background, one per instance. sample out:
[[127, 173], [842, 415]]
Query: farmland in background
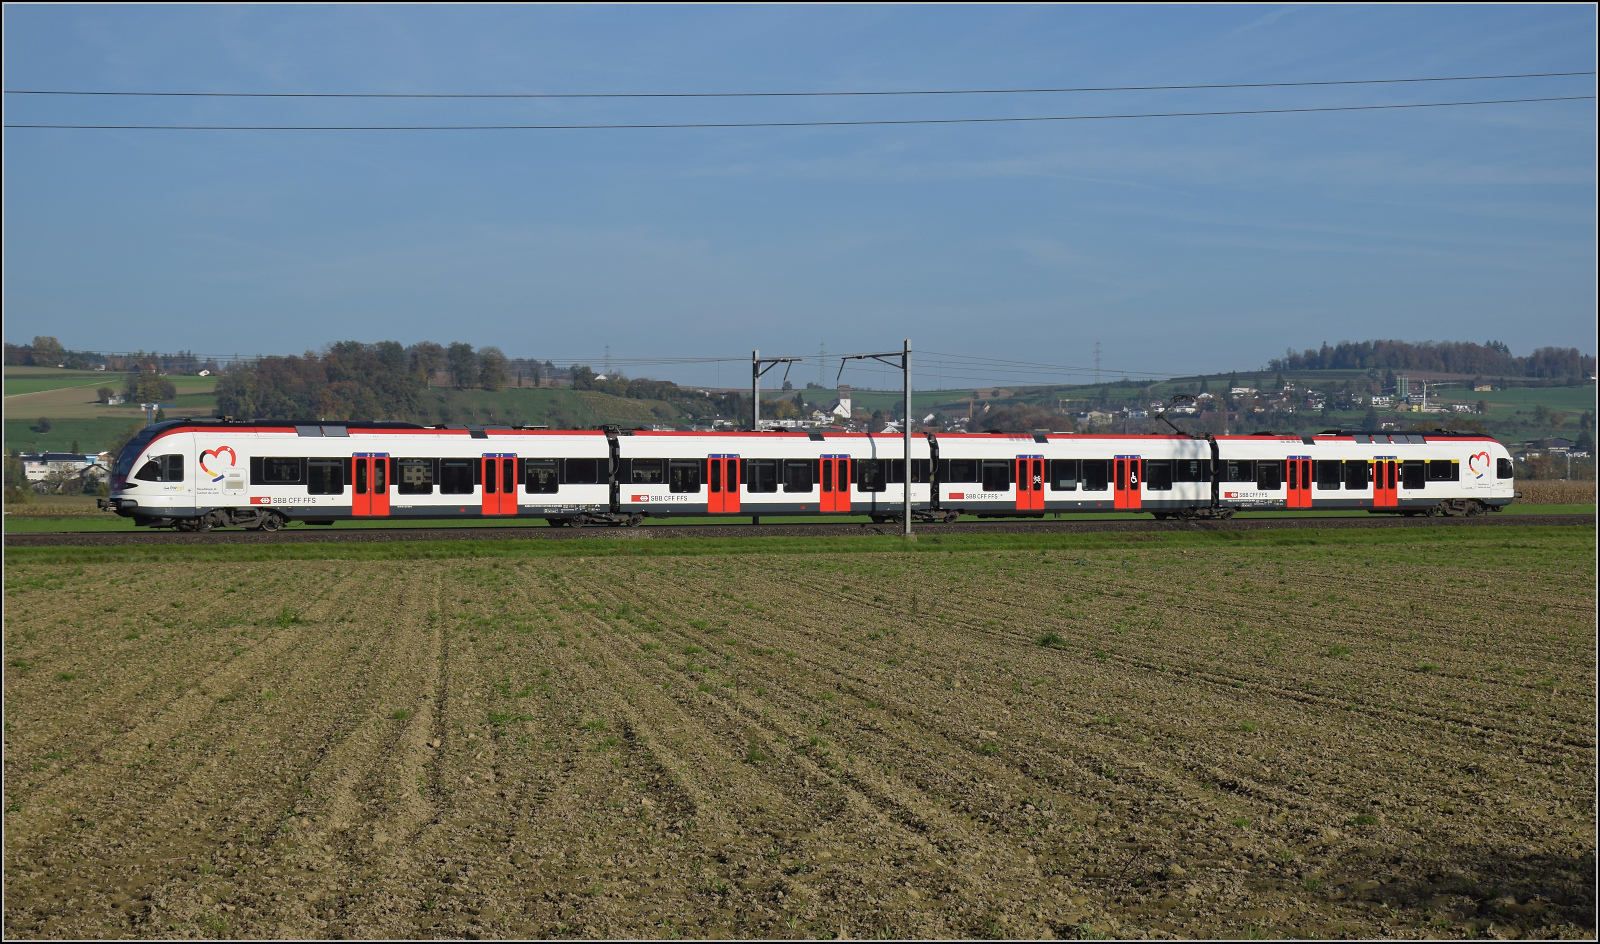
[[1366, 734], [67, 398]]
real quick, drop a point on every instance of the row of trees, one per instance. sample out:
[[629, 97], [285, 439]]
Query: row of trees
[[349, 380], [47, 351], [382, 381], [1493, 358]]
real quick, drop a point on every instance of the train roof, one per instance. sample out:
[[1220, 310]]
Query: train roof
[[310, 427]]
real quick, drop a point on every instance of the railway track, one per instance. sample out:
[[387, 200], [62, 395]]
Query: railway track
[[1047, 526]]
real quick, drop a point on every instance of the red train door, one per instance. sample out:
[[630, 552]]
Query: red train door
[[1030, 483], [370, 485], [835, 484], [509, 480], [499, 475], [1129, 483], [1305, 482], [722, 491], [1299, 496], [1385, 487]]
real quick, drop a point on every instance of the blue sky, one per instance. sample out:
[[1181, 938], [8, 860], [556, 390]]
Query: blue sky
[[1180, 245]]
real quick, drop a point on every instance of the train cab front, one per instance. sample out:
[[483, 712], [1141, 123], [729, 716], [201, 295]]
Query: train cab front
[[148, 481]]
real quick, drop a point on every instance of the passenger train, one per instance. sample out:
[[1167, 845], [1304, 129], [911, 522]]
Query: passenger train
[[199, 474]]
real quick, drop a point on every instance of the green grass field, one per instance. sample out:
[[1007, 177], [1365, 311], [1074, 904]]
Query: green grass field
[[92, 519]]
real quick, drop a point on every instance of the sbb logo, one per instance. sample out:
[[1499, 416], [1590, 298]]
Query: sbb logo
[[261, 501]]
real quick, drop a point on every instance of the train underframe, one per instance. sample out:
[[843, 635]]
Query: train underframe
[[262, 519]]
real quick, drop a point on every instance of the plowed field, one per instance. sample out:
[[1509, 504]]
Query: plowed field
[[1157, 739]]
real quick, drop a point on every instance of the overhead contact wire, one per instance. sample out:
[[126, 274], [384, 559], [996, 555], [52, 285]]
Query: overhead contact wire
[[802, 124], [651, 95]]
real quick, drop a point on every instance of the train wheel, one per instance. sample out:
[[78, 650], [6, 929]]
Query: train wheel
[[271, 522]]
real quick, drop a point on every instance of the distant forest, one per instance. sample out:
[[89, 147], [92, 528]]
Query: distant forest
[[1493, 359], [385, 381]]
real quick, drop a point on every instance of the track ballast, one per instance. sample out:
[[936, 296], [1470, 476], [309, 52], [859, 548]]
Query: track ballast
[[722, 531]]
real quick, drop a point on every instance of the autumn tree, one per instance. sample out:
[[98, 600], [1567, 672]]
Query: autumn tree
[[147, 386], [47, 351], [463, 364], [492, 368]]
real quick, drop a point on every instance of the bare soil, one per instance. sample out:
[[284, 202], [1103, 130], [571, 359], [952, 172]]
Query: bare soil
[[1536, 492], [1309, 741]]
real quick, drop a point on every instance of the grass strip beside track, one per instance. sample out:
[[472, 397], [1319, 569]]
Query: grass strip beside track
[[637, 544], [91, 521]]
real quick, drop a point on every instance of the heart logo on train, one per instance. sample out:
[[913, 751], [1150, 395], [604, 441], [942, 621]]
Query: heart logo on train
[[1472, 463], [233, 460]]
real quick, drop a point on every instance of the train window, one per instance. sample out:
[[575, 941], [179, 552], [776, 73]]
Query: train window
[[414, 476], [361, 477], [1443, 470], [1191, 470], [958, 470], [1413, 474], [870, 475], [716, 475], [1502, 468], [1330, 474], [897, 470], [1240, 470], [1269, 474], [161, 469], [508, 476], [797, 475], [646, 471], [325, 476], [683, 475], [1096, 475], [996, 474], [761, 475], [456, 476], [380, 476], [1355, 473], [277, 470], [1158, 475], [541, 476], [1063, 475], [584, 471]]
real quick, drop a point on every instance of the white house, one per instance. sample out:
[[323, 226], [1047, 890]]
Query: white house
[[38, 467]]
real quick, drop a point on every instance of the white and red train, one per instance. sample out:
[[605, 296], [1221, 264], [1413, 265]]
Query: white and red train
[[199, 474]]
